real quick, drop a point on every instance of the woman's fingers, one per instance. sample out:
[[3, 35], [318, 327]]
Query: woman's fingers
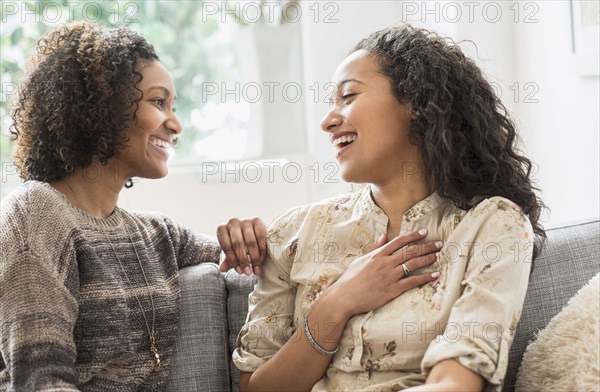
[[401, 241], [409, 267], [407, 256], [255, 240], [225, 243], [244, 243], [380, 242], [223, 263], [415, 257], [417, 250], [413, 281], [231, 240]]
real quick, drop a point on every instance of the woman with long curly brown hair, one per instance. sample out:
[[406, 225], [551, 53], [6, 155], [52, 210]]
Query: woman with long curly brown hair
[[89, 293], [416, 121]]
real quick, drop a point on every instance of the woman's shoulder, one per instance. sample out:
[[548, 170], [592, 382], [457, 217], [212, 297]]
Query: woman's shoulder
[[32, 208], [31, 197], [499, 209], [496, 203]]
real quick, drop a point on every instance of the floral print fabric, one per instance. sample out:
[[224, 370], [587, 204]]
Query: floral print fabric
[[469, 313]]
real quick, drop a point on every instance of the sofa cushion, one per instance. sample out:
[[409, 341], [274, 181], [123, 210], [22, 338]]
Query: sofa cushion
[[238, 287], [571, 338], [568, 261], [201, 357]]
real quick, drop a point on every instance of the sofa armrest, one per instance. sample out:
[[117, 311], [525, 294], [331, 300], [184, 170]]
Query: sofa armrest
[[201, 356], [238, 288]]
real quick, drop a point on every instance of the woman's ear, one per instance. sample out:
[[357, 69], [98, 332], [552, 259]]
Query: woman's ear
[[415, 114]]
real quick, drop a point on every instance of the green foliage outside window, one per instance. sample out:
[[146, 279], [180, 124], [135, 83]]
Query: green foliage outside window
[[195, 47]]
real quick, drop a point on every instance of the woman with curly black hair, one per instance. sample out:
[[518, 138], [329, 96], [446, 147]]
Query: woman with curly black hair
[[416, 121], [89, 293]]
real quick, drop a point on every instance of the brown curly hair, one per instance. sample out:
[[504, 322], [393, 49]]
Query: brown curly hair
[[78, 100], [465, 135]]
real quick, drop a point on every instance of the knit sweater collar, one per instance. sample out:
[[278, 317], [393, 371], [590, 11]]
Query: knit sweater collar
[[114, 220]]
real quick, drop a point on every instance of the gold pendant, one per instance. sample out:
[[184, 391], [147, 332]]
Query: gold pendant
[[155, 354]]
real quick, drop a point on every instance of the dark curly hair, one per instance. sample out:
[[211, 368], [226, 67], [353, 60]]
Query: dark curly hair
[[465, 135], [78, 100]]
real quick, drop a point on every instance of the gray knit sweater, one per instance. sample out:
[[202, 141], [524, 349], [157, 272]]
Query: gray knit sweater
[[69, 319]]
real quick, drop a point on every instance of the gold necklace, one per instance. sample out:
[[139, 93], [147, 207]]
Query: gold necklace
[[153, 350]]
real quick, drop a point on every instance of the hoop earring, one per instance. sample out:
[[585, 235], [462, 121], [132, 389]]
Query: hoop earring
[[129, 183]]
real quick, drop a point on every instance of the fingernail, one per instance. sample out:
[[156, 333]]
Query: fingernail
[[238, 269], [435, 274], [256, 270], [247, 270], [439, 244], [423, 231]]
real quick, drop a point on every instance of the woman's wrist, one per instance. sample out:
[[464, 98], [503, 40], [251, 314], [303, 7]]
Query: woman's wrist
[[323, 326], [334, 306], [321, 350]]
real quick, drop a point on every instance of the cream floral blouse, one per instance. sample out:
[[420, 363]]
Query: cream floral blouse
[[469, 314]]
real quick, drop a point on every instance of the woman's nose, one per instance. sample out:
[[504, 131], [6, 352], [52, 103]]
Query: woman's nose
[[331, 121], [174, 125]]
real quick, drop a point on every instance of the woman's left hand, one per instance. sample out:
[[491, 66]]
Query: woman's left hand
[[244, 244]]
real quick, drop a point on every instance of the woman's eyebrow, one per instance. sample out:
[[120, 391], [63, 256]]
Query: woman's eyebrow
[[163, 89], [349, 80]]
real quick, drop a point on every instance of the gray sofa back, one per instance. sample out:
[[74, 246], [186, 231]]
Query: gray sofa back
[[570, 258], [214, 307]]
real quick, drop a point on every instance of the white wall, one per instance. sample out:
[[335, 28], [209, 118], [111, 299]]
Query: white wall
[[202, 200], [561, 131]]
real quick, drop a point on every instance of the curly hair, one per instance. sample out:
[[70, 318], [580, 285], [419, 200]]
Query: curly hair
[[465, 135], [78, 100]]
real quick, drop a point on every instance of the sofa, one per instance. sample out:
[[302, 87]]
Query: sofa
[[214, 307]]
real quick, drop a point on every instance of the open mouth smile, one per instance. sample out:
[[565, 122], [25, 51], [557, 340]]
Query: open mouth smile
[[342, 142], [161, 145]]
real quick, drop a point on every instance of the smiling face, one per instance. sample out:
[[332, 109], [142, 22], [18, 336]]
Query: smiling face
[[368, 126], [155, 125]]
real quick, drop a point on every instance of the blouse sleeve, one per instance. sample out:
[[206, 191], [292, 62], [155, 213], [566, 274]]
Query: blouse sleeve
[[271, 305], [38, 305], [482, 321]]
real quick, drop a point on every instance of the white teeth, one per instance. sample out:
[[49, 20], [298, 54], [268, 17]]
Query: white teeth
[[344, 139], [159, 143]]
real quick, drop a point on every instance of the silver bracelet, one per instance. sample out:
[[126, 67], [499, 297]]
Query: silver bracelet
[[313, 343]]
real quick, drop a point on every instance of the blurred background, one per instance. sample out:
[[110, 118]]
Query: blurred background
[[252, 79]]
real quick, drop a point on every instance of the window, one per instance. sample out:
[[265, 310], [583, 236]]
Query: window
[[196, 46]]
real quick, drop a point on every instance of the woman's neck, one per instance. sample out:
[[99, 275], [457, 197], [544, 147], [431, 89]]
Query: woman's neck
[[396, 197], [94, 191]]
